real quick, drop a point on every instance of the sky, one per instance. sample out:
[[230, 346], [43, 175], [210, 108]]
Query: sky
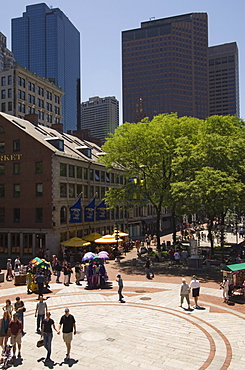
[[101, 22]]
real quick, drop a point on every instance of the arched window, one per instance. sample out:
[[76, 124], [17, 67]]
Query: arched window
[[63, 215]]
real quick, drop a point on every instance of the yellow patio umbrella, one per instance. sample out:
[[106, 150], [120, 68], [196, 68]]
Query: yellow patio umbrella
[[75, 242], [119, 233], [92, 237], [107, 239]]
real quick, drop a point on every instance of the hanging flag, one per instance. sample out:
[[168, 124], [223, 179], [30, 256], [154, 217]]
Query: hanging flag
[[89, 211], [76, 212], [101, 213]]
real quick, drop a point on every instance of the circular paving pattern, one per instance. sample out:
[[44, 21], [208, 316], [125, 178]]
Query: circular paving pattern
[[141, 335]]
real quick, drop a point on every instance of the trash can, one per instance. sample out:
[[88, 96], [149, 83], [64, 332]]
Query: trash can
[[134, 262]]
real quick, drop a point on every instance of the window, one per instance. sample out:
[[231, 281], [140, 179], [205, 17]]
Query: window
[[27, 243], [91, 191], [79, 172], [16, 215], [2, 147], [85, 191], [16, 145], [3, 94], [62, 169], [91, 175], [39, 167], [39, 190], [2, 190], [16, 190], [48, 95], [2, 215], [3, 81], [79, 189], [63, 215], [41, 115], [10, 106], [63, 190], [31, 99], [97, 192], [97, 175], [71, 170], [85, 173], [57, 99], [40, 91], [3, 107], [71, 190], [9, 80], [31, 86], [39, 215], [102, 176], [16, 169], [2, 169]]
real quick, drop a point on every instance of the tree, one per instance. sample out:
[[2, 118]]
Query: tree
[[146, 152]]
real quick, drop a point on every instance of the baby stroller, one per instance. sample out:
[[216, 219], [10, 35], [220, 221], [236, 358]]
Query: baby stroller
[[6, 356]]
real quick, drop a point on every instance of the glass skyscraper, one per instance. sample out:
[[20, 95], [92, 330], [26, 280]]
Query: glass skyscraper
[[46, 42]]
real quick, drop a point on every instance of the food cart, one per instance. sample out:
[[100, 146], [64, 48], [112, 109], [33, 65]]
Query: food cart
[[20, 276], [236, 275]]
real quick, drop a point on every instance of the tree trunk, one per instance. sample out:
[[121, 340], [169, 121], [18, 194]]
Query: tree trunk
[[222, 234], [210, 236], [158, 229], [174, 226]]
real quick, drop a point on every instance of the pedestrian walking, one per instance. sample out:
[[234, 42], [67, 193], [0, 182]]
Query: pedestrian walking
[[19, 310], [9, 275], [40, 280], [8, 307], [120, 288], [15, 330], [184, 293], [78, 273], [195, 287], [66, 274], [70, 272], [4, 329], [41, 309], [68, 324], [47, 334], [148, 268], [225, 287], [57, 268]]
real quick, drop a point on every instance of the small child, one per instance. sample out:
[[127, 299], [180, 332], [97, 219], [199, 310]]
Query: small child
[[120, 287]]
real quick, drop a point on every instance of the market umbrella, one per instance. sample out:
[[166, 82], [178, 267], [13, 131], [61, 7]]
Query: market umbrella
[[88, 256], [107, 239], [92, 237], [40, 263], [75, 242], [103, 255], [119, 233]]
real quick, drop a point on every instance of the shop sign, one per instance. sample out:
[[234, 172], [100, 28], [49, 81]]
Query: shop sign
[[10, 157]]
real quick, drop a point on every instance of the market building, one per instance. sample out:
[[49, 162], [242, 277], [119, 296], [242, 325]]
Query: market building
[[42, 174]]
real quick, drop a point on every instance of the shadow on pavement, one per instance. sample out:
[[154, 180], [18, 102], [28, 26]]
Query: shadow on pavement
[[70, 362]]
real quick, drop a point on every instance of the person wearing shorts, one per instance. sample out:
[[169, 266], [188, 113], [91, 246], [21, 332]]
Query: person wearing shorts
[[195, 287], [68, 323], [15, 331]]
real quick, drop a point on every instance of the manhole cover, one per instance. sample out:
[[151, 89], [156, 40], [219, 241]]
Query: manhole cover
[[145, 298], [140, 291], [110, 339]]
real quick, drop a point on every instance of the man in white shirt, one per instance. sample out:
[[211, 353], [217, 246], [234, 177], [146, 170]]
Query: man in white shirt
[[41, 309], [195, 287]]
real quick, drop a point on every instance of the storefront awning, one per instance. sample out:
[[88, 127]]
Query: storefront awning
[[234, 267]]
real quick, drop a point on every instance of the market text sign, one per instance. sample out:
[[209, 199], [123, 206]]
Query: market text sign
[[10, 157]]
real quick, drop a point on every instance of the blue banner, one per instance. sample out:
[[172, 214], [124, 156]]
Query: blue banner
[[101, 213], [76, 212], [89, 211]]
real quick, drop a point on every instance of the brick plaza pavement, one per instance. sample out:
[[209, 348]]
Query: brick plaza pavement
[[149, 331]]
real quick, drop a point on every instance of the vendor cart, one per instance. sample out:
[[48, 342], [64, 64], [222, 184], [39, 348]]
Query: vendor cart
[[235, 273]]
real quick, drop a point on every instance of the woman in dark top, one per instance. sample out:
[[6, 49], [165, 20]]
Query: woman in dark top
[[47, 334], [4, 325]]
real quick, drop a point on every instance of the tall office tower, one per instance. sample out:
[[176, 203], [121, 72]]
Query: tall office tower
[[164, 68], [46, 42], [6, 56], [223, 79], [100, 116]]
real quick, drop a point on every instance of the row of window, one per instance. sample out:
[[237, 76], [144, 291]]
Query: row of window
[[89, 174], [17, 215], [16, 146], [16, 190], [6, 80], [223, 60], [16, 168]]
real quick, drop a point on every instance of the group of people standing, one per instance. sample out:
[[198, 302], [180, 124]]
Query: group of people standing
[[185, 290]]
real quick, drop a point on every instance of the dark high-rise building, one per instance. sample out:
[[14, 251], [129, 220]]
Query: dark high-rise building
[[223, 79], [46, 42], [100, 116], [164, 67]]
